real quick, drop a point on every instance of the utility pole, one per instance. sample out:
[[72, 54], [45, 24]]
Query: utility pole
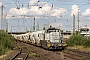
[[5, 23], [55, 20], [48, 24], [34, 25], [73, 24], [31, 26], [37, 25], [2, 17], [11, 30], [7, 26], [18, 26], [78, 20]]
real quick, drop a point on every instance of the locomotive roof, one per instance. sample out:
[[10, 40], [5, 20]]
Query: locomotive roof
[[53, 29]]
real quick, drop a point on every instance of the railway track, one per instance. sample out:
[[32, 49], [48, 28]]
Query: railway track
[[51, 55], [39, 53], [74, 55], [66, 56], [43, 57], [81, 53], [20, 55]]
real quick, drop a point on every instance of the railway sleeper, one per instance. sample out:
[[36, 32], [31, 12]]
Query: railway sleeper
[[69, 56], [23, 57]]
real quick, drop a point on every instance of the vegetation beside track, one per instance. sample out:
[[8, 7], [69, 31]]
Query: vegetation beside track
[[79, 42], [6, 42]]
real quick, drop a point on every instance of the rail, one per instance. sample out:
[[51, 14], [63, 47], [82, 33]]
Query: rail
[[74, 54], [20, 55]]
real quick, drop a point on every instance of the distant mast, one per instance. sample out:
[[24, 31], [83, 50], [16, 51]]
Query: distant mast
[[78, 20], [2, 17]]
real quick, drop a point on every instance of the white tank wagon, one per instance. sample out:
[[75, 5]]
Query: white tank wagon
[[26, 37], [18, 37], [23, 37], [32, 39], [38, 36]]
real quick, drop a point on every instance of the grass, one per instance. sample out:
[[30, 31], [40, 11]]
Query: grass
[[80, 48], [83, 59], [33, 55], [3, 57]]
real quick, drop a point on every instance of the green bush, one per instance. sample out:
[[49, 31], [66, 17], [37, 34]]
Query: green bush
[[76, 40], [87, 42], [2, 49], [6, 42]]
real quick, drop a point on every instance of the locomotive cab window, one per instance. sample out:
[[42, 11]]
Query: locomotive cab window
[[52, 30]]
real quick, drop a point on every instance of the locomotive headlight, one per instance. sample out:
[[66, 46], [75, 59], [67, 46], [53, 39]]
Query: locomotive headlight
[[48, 40], [59, 44], [48, 45], [52, 45]]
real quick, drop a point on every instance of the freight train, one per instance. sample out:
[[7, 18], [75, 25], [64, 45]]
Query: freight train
[[50, 38]]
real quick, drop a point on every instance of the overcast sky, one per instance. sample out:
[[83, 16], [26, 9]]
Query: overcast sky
[[58, 13]]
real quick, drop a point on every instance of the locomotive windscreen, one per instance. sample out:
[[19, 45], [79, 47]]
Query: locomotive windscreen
[[52, 30]]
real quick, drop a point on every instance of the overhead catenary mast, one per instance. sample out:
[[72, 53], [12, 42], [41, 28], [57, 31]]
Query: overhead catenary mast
[[34, 25], [73, 24], [4, 23], [2, 17], [37, 25], [78, 21]]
